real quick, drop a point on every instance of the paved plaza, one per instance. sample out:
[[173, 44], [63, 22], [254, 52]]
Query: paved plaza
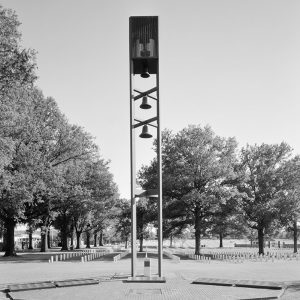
[[34, 268]]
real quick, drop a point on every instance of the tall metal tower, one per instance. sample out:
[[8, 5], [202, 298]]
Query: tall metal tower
[[144, 62]]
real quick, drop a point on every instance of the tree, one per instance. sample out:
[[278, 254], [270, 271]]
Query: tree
[[20, 161], [227, 218], [17, 65], [36, 142], [68, 143], [196, 164], [104, 195], [144, 215], [123, 219], [72, 194], [31, 226], [93, 199], [289, 197], [261, 181], [174, 221]]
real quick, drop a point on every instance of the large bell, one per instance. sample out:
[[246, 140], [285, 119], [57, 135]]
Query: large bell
[[145, 104], [145, 73], [145, 133]]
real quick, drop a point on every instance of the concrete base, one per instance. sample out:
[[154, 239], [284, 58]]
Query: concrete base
[[143, 279]]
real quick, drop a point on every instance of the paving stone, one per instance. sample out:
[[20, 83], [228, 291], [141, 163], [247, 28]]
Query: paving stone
[[215, 281], [178, 280], [260, 284], [174, 289], [146, 279], [66, 283], [31, 286], [240, 283], [145, 292]]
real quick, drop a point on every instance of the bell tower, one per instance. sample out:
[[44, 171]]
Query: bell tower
[[144, 63]]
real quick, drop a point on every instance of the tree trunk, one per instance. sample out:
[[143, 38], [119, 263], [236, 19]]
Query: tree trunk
[[72, 235], [295, 232], [101, 238], [30, 247], [44, 239], [171, 240], [48, 239], [197, 232], [260, 240], [9, 225], [95, 239], [1, 229], [141, 238], [4, 238], [72, 240], [64, 237], [88, 244], [78, 235], [126, 242], [221, 239]]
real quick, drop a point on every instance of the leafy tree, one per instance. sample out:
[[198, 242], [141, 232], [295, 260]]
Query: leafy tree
[[69, 144], [104, 193], [72, 194], [123, 219], [17, 65], [144, 215], [227, 219], [196, 165], [289, 197], [174, 221], [261, 181], [92, 203], [251, 234], [20, 167], [36, 141], [31, 227]]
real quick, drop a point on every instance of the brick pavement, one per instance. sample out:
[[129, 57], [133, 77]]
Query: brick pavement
[[175, 288], [179, 277]]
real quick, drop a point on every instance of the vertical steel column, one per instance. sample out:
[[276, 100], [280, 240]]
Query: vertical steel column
[[132, 171], [159, 178], [133, 184]]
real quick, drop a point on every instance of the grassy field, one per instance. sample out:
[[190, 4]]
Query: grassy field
[[207, 243]]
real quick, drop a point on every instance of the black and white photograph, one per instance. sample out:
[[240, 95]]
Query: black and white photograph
[[149, 149]]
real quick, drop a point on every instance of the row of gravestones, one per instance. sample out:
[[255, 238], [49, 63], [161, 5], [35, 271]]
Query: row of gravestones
[[120, 255], [239, 258], [85, 255]]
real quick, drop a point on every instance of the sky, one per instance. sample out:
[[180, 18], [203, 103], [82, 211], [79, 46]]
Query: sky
[[231, 64]]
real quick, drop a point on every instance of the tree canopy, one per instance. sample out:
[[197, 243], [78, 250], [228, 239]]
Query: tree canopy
[[196, 164], [17, 65]]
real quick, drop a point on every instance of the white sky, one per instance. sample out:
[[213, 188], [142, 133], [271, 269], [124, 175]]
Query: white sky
[[233, 64]]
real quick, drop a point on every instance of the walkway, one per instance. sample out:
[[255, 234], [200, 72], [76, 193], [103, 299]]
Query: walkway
[[178, 286]]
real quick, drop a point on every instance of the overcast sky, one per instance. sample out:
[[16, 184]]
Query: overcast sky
[[232, 64]]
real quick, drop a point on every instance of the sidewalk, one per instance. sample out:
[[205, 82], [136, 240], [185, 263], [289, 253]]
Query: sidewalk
[[178, 286], [175, 288]]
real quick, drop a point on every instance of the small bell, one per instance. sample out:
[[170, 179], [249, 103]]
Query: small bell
[[145, 133], [145, 104], [145, 73]]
